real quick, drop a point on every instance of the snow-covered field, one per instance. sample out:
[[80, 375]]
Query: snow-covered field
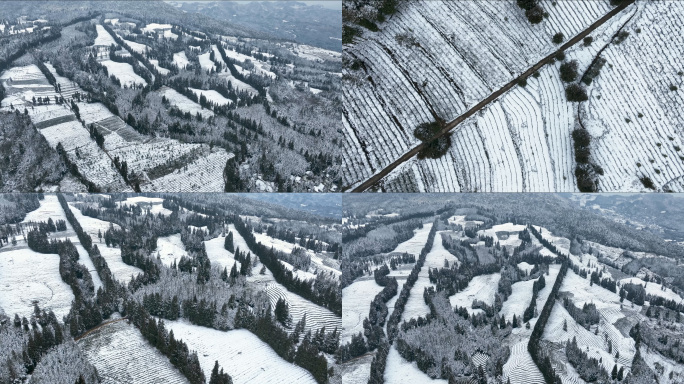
[[400, 371], [137, 47], [314, 53], [298, 273], [520, 368], [59, 125], [121, 355], [244, 356], [120, 270], [212, 96], [356, 299], [170, 249], [522, 141], [27, 277], [124, 72], [161, 70], [654, 289], [316, 316], [260, 68], [415, 244], [103, 37], [183, 103], [218, 255], [518, 301], [92, 226], [608, 304], [415, 305], [237, 84], [180, 60], [205, 174], [51, 209], [481, 288], [153, 204], [642, 69]]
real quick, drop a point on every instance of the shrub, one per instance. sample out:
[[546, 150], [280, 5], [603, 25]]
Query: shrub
[[594, 71], [588, 40], [621, 37], [522, 82], [576, 93], [558, 38], [582, 155], [348, 34], [585, 183], [527, 4], [535, 15], [581, 137], [560, 56], [436, 148], [673, 88], [647, 182], [433, 149], [568, 71], [426, 131]]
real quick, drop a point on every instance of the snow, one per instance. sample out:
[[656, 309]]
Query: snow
[[180, 60], [400, 371], [315, 54], [298, 273], [212, 96], [124, 72], [163, 71], [154, 26], [461, 220], [90, 225], [205, 62], [218, 255], [594, 345], [240, 353], [480, 288], [183, 103], [654, 289], [519, 300], [356, 299], [415, 305], [520, 368], [170, 248], [50, 208], [415, 244], [27, 277], [277, 244], [205, 174], [525, 266], [153, 204], [137, 47], [103, 37], [122, 355], [259, 67], [498, 150]]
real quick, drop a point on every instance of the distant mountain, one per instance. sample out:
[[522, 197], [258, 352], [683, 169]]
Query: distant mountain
[[657, 213], [291, 20], [325, 204]]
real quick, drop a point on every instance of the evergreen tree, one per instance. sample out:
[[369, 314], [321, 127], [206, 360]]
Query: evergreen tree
[[228, 244]]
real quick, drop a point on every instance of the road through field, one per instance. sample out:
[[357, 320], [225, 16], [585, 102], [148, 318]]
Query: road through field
[[453, 124]]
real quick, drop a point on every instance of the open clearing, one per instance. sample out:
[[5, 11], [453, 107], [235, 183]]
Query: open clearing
[[121, 355], [244, 356]]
